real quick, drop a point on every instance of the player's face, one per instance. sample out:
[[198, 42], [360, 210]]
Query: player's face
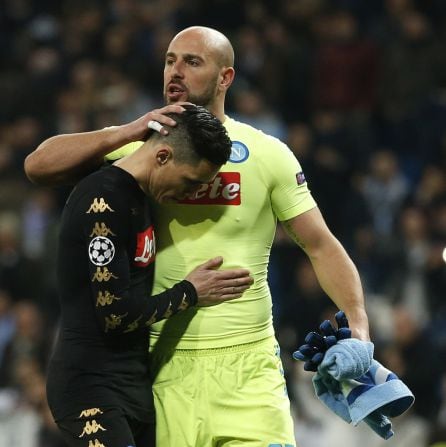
[[190, 71], [176, 181]]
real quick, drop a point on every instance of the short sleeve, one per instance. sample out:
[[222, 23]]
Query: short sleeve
[[290, 195]]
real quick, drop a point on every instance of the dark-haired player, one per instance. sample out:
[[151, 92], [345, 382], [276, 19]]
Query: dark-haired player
[[99, 388]]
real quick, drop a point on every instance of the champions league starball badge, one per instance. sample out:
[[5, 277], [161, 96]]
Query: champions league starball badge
[[101, 251]]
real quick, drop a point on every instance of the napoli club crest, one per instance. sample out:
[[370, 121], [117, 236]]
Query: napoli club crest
[[239, 152]]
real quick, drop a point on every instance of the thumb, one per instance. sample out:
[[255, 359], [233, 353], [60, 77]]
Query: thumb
[[212, 264]]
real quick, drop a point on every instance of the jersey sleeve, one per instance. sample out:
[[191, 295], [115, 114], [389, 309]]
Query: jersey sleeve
[[121, 296], [290, 195]]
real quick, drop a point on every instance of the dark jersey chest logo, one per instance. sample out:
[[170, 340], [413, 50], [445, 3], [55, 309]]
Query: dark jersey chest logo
[[145, 248]]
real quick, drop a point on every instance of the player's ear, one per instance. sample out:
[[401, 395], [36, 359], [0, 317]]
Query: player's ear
[[226, 77], [163, 155]]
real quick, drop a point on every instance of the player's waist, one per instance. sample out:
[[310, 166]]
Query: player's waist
[[230, 349], [243, 320], [215, 327], [219, 341]]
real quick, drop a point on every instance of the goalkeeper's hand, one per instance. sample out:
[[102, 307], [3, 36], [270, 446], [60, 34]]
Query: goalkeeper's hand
[[317, 343]]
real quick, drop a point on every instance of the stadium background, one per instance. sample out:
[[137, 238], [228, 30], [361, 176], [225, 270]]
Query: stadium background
[[356, 88]]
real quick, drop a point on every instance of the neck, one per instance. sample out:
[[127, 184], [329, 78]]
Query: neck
[[217, 107], [137, 165], [218, 111]]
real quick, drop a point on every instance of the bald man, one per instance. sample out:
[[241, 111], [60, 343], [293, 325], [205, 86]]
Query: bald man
[[218, 379]]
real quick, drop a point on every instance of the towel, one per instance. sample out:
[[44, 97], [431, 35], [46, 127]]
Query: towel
[[372, 397], [347, 359], [329, 391]]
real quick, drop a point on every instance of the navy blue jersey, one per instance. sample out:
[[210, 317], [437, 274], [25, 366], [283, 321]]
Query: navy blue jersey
[[106, 256]]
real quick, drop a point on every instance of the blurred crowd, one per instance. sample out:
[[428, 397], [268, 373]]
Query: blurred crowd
[[356, 88]]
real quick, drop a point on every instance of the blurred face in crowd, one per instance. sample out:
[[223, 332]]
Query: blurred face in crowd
[[198, 67]]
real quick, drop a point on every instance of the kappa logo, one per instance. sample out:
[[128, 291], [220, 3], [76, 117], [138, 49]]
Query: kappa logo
[[90, 412], [169, 311], [184, 303], [152, 318], [225, 189], [103, 275], [145, 248], [100, 229], [95, 443], [99, 206], [113, 321], [133, 325], [105, 298], [91, 427]]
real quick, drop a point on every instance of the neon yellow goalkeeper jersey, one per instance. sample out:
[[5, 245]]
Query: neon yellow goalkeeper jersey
[[235, 217]]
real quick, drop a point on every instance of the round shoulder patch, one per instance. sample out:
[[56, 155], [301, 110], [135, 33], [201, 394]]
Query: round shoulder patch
[[239, 152], [101, 250]]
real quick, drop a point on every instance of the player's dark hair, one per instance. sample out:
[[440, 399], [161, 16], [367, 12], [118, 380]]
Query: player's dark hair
[[197, 135]]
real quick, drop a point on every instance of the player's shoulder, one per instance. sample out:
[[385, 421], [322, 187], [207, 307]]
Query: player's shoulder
[[240, 131], [108, 183], [104, 178], [266, 149]]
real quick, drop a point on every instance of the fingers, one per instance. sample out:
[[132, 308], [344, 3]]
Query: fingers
[[212, 264], [327, 328], [233, 274], [159, 115], [234, 287], [227, 297], [238, 285], [234, 290], [344, 331], [315, 339], [222, 295], [181, 103], [310, 355], [215, 286], [341, 319], [317, 344]]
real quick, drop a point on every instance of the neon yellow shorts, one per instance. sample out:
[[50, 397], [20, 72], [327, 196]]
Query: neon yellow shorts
[[224, 397]]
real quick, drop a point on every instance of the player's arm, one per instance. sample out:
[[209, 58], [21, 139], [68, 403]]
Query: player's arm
[[297, 210], [119, 289], [335, 270], [64, 159]]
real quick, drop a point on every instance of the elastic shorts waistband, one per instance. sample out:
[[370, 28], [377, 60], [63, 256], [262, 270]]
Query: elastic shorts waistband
[[225, 350]]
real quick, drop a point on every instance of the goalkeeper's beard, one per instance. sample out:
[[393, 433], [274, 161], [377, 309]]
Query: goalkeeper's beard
[[205, 99]]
